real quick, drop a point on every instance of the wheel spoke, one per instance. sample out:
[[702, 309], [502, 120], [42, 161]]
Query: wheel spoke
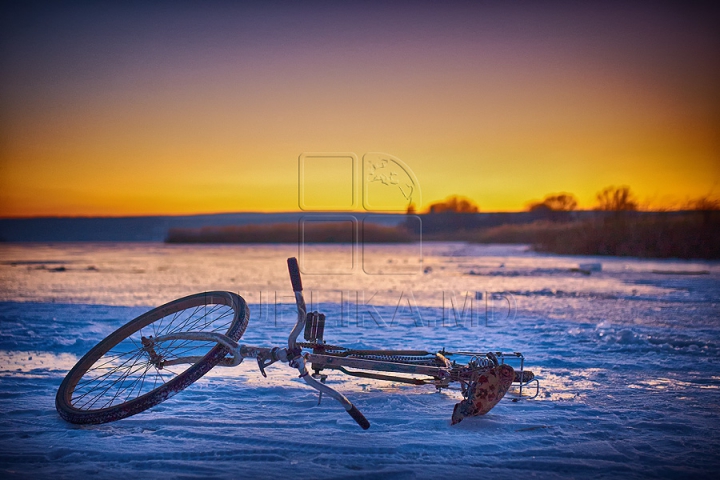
[[119, 381], [107, 374], [130, 368]]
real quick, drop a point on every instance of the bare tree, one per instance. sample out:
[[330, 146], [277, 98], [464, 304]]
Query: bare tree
[[454, 204], [557, 202], [617, 199]]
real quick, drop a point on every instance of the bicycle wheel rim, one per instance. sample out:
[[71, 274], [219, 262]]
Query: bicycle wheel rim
[[71, 408]]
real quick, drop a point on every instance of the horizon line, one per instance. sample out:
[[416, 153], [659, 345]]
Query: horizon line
[[330, 212]]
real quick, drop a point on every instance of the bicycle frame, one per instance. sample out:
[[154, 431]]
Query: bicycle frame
[[439, 375]]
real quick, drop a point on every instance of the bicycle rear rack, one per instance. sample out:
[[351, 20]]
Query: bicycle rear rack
[[523, 379]]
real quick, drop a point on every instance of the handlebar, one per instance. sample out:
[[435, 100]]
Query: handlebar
[[294, 274], [298, 361], [301, 366], [299, 301], [359, 417]]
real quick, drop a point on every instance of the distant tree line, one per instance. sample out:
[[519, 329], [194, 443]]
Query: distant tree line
[[615, 227]]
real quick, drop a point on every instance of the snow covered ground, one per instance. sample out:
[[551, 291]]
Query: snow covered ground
[[628, 360]]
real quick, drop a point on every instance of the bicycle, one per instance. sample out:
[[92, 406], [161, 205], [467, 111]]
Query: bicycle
[[129, 372]]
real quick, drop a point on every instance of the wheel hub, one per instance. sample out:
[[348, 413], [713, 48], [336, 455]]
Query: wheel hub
[[148, 347]]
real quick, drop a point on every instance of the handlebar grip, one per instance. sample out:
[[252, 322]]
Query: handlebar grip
[[294, 274], [359, 417]]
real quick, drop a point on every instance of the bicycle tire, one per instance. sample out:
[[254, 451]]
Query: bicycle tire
[[229, 314]]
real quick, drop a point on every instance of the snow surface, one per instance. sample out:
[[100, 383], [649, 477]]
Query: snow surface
[[627, 357]]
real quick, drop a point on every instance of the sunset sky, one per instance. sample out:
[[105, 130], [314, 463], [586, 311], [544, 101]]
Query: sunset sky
[[135, 109]]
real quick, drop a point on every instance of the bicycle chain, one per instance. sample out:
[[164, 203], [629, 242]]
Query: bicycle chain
[[327, 348], [381, 358], [396, 358]]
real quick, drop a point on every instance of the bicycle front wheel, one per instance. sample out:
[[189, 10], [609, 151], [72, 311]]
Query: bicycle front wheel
[[118, 378]]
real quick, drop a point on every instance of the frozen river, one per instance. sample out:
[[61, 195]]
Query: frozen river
[[628, 358]]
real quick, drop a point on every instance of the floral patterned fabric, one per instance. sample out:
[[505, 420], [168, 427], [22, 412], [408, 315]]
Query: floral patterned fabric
[[484, 392]]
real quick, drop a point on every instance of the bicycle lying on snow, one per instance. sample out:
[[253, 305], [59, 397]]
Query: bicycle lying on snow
[[163, 351]]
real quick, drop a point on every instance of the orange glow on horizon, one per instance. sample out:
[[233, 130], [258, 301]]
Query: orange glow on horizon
[[208, 119]]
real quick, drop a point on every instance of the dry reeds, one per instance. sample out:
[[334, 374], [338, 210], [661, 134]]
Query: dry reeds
[[313, 232]]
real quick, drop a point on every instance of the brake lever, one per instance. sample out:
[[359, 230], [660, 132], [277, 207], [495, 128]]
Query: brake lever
[[322, 380], [264, 361]]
